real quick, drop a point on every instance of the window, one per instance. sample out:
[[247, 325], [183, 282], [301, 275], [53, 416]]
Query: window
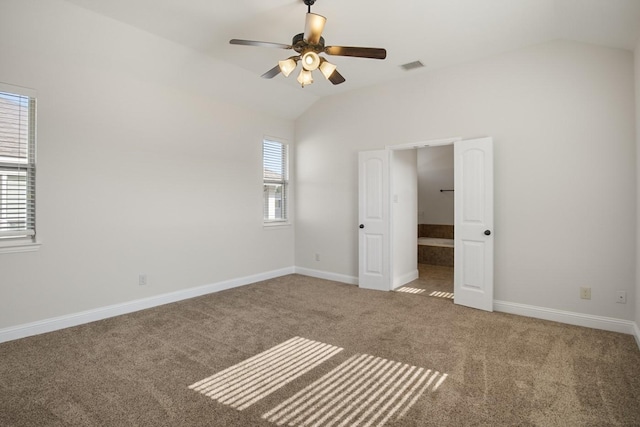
[[17, 163], [275, 164]]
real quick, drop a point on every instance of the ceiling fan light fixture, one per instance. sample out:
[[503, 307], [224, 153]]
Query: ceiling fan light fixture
[[327, 68], [310, 60], [287, 66], [308, 47], [314, 24], [305, 77]]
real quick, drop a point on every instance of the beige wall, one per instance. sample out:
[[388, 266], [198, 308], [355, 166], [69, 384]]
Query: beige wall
[[562, 118], [145, 165]]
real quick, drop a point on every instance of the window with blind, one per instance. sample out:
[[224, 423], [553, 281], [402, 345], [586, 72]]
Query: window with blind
[[17, 163], [275, 164]]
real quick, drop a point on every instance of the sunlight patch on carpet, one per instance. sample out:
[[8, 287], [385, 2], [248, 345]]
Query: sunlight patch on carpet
[[362, 391], [410, 290], [440, 294], [242, 385]]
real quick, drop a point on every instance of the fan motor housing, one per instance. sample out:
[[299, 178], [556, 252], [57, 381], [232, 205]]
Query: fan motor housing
[[300, 45]]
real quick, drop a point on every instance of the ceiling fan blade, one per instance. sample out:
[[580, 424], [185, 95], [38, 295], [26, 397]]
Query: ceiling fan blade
[[313, 27], [260, 44], [336, 78], [360, 52], [271, 73]]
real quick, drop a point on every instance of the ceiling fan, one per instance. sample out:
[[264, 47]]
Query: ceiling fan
[[309, 45]]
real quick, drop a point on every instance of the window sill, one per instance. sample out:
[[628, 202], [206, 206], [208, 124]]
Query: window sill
[[17, 247], [275, 224]]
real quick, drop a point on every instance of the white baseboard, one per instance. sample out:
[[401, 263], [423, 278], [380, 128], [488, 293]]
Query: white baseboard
[[350, 280], [406, 278], [568, 317], [75, 319]]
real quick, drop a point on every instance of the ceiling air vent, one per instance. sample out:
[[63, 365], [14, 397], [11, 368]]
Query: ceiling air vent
[[412, 65]]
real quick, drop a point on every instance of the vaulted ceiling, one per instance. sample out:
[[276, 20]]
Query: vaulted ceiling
[[436, 32]]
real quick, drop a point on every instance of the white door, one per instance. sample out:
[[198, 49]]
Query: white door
[[473, 271], [374, 247]]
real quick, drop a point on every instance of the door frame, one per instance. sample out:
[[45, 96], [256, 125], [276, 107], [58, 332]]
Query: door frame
[[391, 231], [424, 144], [410, 146]]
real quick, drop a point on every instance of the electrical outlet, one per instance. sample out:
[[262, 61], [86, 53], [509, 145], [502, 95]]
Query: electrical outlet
[[142, 279], [317, 257], [585, 293], [621, 297]]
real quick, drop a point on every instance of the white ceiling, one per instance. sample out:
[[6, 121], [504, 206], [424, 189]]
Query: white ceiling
[[436, 32]]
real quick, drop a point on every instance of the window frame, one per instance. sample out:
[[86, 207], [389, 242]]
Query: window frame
[[16, 241], [284, 182]]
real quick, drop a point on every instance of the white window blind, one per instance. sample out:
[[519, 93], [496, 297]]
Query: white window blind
[[275, 166], [17, 164]]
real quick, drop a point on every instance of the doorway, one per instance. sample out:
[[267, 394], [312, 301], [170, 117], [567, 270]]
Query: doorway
[[436, 216], [383, 238]]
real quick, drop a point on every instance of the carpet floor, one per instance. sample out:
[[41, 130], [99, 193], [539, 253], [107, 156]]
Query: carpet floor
[[303, 351]]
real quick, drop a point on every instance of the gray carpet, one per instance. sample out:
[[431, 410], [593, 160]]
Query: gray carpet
[[422, 362]]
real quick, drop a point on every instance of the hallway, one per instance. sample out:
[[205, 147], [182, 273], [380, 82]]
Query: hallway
[[433, 280]]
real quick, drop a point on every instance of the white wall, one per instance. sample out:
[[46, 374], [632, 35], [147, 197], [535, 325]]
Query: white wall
[[145, 165], [404, 192], [435, 173], [562, 118], [637, 92]]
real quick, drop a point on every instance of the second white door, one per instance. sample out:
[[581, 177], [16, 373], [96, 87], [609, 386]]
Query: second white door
[[473, 270]]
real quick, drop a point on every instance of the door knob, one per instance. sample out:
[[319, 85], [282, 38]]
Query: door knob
[[487, 232], [361, 225]]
